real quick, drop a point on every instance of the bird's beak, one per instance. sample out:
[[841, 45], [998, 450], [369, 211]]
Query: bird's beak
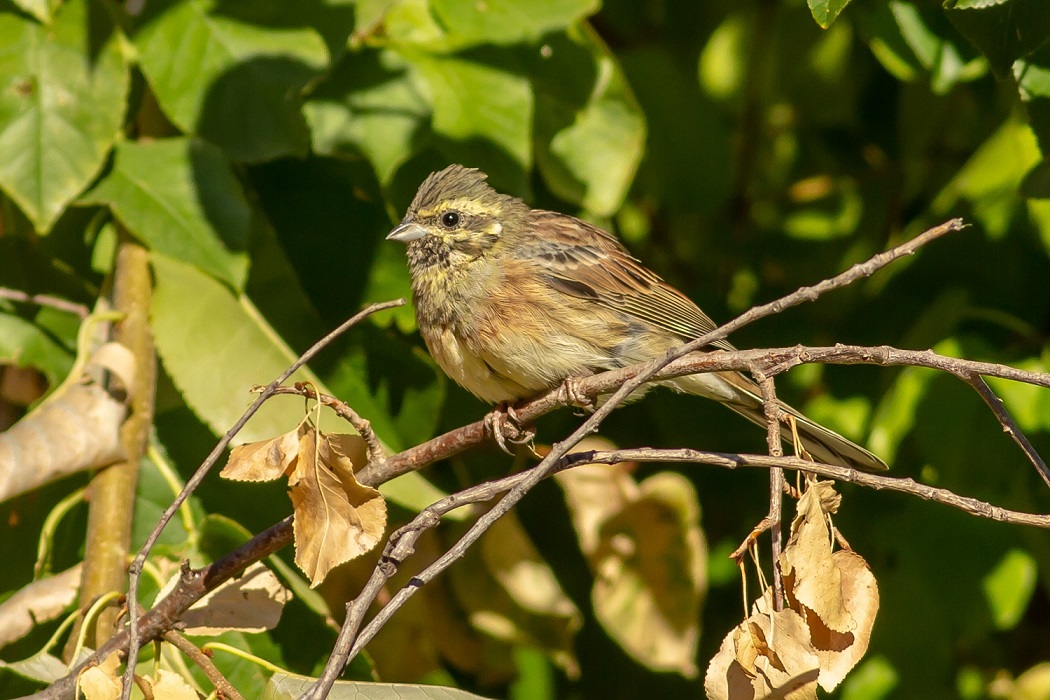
[[407, 232]]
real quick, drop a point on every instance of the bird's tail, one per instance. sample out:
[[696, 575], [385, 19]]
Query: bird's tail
[[739, 393]]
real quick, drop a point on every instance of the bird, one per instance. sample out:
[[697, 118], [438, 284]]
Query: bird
[[512, 301]]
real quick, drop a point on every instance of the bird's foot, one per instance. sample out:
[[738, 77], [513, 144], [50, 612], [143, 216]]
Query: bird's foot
[[570, 392], [504, 425]]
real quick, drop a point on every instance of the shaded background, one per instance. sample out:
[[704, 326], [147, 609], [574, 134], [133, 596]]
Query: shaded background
[[262, 150]]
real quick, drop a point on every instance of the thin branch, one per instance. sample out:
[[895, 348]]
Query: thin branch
[[48, 300], [205, 663], [1010, 427], [878, 482], [135, 570], [776, 480], [376, 453], [777, 360]]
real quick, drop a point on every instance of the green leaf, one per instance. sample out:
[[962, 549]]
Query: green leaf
[[194, 319], [41, 9], [873, 679], [152, 495], [589, 138], [181, 198], [1002, 31], [286, 686], [483, 109], [233, 73], [370, 105], [25, 344], [1009, 587], [825, 11], [41, 667], [468, 22], [61, 107], [991, 179]]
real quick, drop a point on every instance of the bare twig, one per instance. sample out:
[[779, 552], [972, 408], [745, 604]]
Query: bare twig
[[135, 570], [376, 453], [45, 300], [1010, 427], [226, 690], [776, 480]]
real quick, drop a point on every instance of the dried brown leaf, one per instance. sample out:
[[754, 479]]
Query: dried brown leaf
[[172, 686], [650, 574], [840, 652], [811, 578], [594, 492], [251, 602], [766, 656], [74, 429], [102, 682], [37, 603], [265, 460], [336, 518], [511, 594]]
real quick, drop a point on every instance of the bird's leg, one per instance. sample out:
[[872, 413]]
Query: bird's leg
[[503, 424], [570, 392]]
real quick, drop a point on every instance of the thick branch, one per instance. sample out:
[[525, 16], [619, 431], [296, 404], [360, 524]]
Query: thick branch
[[111, 493]]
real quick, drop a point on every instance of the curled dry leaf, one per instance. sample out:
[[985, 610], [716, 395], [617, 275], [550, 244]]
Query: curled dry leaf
[[102, 682], [647, 551], [832, 600], [839, 652], [37, 603], [75, 429], [809, 573], [766, 656], [265, 460], [171, 686], [336, 518], [251, 602], [836, 592]]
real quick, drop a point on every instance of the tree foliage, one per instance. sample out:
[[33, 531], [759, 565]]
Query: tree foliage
[[259, 151]]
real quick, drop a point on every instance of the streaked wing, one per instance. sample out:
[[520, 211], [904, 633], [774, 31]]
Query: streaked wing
[[581, 260]]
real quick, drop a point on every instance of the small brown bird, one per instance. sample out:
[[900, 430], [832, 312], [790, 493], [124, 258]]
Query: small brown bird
[[512, 301]]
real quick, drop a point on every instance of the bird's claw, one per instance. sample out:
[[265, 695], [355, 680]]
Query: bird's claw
[[503, 424], [571, 393]]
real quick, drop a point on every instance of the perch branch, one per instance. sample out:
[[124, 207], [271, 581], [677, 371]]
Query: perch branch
[[344, 644]]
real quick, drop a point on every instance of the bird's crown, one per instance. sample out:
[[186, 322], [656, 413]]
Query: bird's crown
[[457, 188]]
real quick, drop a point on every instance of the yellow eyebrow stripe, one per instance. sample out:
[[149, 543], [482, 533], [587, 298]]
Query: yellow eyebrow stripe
[[466, 206]]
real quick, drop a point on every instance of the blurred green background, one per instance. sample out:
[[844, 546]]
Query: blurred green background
[[261, 150]]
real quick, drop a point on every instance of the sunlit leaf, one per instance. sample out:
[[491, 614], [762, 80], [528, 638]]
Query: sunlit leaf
[[483, 106], [181, 198], [372, 106], [826, 11], [589, 141], [1008, 588], [61, 106], [232, 74], [506, 21]]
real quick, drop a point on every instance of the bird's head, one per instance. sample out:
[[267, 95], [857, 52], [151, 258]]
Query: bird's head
[[455, 214]]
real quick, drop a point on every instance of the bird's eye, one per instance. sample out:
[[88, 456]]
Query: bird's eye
[[450, 219]]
